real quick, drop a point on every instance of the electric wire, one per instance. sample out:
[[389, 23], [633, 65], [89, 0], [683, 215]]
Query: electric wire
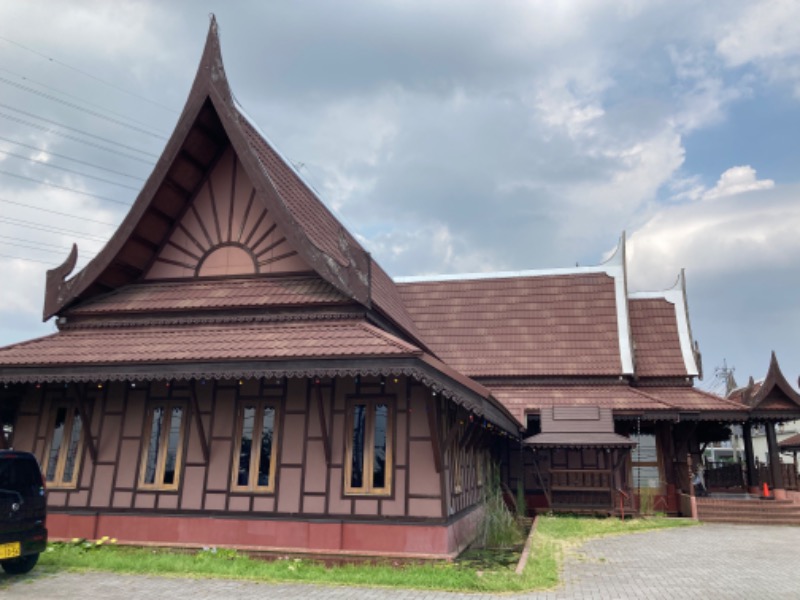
[[74, 97], [34, 247], [44, 163], [55, 212], [39, 244], [65, 157], [87, 74], [80, 131], [52, 229], [63, 187], [73, 138], [89, 111], [33, 260]]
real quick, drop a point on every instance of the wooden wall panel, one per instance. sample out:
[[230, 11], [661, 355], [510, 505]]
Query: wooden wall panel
[[103, 482], [219, 466], [289, 491], [192, 488], [128, 461]]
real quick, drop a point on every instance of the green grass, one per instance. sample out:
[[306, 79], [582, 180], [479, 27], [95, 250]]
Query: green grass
[[555, 535]]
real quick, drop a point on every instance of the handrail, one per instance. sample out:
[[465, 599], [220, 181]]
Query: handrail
[[621, 503]]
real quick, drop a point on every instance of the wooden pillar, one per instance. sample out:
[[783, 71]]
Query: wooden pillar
[[749, 457], [779, 490]]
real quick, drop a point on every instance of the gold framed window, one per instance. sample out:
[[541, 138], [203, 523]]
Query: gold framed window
[[369, 442], [162, 453], [65, 447], [254, 465]]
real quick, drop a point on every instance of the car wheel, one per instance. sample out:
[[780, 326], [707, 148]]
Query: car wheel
[[18, 566]]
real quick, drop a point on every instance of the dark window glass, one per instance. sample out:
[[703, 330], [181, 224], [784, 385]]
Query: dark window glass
[[359, 440], [379, 457], [267, 431], [55, 445], [245, 448], [72, 449], [173, 439], [151, 461]]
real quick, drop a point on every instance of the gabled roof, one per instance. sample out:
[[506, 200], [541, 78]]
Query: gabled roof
[[209, 124], [560, 322], [773, 394], [662, 334]]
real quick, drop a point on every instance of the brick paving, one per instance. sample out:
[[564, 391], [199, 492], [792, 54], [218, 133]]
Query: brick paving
[[709, 562]]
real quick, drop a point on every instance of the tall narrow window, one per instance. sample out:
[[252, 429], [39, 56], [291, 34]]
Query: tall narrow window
[[163, 447], [254, 464], [368, 464], [64, 452]]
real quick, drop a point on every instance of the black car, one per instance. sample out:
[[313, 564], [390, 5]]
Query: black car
[[23, 509]]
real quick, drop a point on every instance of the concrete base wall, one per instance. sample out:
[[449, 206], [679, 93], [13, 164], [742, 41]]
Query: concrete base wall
[[438, 541]]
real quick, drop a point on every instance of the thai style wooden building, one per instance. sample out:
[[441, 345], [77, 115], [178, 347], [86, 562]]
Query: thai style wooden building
[[233, 368]]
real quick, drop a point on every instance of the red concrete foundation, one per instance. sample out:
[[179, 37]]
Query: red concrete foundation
[[300, 537]]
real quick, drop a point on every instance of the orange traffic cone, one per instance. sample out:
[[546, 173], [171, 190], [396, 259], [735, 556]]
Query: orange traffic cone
[[766, 490]]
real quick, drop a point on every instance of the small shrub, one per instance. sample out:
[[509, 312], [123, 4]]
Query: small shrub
[[498, 528]]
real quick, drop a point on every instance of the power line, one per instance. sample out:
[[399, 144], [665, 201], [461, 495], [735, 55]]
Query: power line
[[63, 187], [65, 157], [37, 248], [33, 260], [51, 166], [87, 74], [53, 247], [72, 137], [55, 212], [89, 111], [78, 98], [51, 229], [76, 130]]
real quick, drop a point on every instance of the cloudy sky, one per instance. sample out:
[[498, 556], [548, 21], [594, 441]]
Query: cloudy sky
[[450, 136]]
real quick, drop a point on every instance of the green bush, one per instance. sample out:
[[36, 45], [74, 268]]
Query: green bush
[[498, 528]]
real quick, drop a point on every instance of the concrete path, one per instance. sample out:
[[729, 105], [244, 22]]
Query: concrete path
[[709, 562]]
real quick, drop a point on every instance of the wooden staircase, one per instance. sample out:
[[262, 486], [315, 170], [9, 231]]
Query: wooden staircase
[[748, 510]]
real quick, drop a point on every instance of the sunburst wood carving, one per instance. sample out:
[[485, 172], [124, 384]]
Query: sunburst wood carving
[[226, 230]]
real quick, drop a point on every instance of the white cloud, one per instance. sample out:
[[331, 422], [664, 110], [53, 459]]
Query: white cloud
[[762, 31], [751, 231], [737, 180]]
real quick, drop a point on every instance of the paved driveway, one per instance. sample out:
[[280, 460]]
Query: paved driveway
[[710, 562]]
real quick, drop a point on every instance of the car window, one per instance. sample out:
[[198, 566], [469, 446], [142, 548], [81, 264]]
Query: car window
[[20, 475]]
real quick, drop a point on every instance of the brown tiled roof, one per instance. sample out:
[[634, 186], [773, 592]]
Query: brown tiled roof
[[790, 443], [321, 226], [199, 294], [520, 400], [691, 399], [193, 294], [535, 325], [323, 229], [387, 298], [654, 328], [164, 344]]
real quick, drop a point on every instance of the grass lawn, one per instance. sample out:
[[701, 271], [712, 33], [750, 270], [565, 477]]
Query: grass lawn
[[554, 536]]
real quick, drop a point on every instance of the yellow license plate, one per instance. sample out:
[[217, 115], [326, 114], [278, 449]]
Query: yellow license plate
[[11, 550]]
